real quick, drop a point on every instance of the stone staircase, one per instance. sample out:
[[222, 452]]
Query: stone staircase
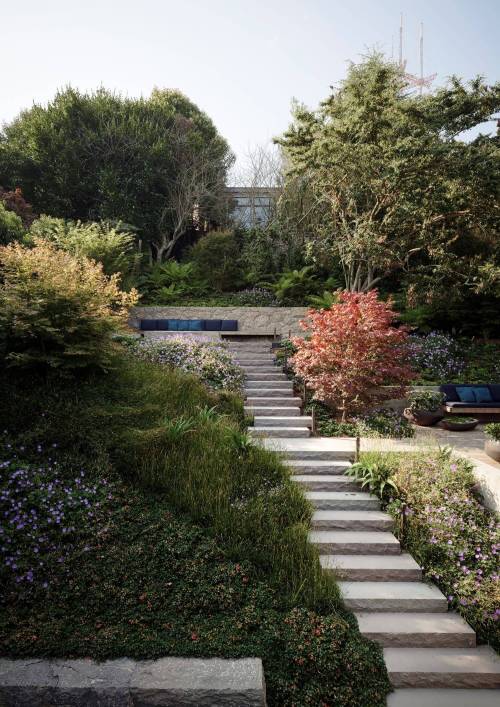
[[430, 653]]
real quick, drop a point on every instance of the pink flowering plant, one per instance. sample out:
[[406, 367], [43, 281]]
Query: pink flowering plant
[[453, 537], [208, 359]]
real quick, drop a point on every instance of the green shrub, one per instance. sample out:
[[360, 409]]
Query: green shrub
[[450, 534], [11, 226], [216, 257], [56, 310], [109, 245], [492, 430], [427, 400], [167, 282], [294, 286]]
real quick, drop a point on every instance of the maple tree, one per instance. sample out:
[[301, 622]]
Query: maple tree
[[351, 351]]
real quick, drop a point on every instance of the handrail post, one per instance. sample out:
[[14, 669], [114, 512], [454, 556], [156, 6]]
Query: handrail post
[[358, 445]]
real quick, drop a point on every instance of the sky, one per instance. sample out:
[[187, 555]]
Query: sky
[[240, 61]]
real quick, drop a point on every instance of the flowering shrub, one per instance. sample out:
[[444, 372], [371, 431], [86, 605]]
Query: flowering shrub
[[207, 359], [454, 538], [436, 356], [492, 430], [351, 351], [384, 423], [57, 311], [47, 516], [427, 400]]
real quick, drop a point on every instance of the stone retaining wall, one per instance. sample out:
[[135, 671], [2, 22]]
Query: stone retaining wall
[[191, 682], [253, 319]]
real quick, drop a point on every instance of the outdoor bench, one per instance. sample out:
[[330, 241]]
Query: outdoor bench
[[188, 325], [464, 399]]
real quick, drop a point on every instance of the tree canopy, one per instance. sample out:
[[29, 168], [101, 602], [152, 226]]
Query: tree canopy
[[395, 190], [152, 163]]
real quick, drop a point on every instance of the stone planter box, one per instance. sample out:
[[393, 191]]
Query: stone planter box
[[492, 449]]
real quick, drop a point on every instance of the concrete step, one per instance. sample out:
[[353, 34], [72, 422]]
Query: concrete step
[[443, 667], [352, 520], [305, 466], [261, 370], [373, 568], [417, 630], [393, 597], [255, 360], [326, 482], [254, 400], [275, 385], [275, 421], [443, 698], [267, 392], [279, 431], [343, 500], [352, 542], [266, 375], [325, 448], [261, 410]]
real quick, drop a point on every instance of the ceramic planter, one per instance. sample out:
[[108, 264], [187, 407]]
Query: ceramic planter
[[423, 418], [492, 449], [458, 426]]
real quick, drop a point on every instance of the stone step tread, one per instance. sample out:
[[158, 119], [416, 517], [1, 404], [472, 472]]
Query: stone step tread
[[279, 431], [318, 464], [271, 411], [355, 542], [276, 421], [443, 667], [269, 393], [416, 629], [265, 376], [353, 520], [333, 479], [262, 370], [372, 568], [341, 500], [443, 698], [316, 448], [391, 590], [271, 401]]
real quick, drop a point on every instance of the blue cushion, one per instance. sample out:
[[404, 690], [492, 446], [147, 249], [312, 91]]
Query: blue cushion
[[482, 393], [196, 325], [149, 324], [162, 324], [183, 325], [229, 325], [212, 324], [173, 324], [495, 391], [466, 393]]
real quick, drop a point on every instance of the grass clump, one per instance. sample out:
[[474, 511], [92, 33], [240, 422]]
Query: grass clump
[[180, 538]]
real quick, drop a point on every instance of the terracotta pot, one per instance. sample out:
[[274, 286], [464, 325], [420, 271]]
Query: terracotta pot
[[423, 418], [458, 426], [492, 449]]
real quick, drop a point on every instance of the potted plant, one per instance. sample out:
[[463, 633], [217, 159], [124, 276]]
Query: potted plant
[[492, 443], [425, 407], [459, 424]]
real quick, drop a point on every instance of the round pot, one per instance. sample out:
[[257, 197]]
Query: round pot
[[492, 449], [423, 418], [458, 426]]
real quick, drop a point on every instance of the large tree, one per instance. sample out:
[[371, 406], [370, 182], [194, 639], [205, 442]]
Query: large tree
[[155, 163], [394, 188]]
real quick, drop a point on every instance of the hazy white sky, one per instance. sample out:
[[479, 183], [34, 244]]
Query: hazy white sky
[[240, 61]]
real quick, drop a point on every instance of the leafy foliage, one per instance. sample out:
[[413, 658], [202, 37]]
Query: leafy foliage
[[56, 310], [425, 400], [376, 476], [450, 534], [171, 281], [217, 258], [492, 430], [350, 351], [15, 202], [11, 226], [295, 285], [436, 356], [75, 158], [109, 245]]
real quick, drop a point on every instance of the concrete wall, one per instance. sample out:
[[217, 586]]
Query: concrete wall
[[251, 319]]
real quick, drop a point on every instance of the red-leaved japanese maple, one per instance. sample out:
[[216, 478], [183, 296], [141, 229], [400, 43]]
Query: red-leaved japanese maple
[[351, 350]]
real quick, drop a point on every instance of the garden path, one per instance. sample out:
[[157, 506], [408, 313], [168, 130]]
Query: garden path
[[425, 645]]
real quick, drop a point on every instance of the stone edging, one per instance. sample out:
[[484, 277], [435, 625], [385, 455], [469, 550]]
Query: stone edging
[[125, 683]]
